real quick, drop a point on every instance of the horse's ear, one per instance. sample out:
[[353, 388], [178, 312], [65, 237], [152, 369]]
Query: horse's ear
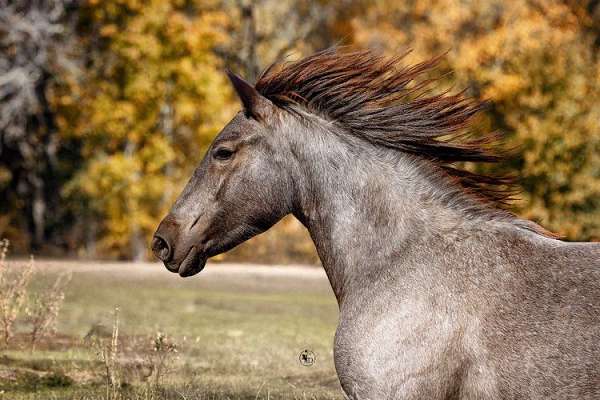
[[254, 103]]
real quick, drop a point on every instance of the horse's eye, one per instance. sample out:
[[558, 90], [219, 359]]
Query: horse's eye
[[222, 153]]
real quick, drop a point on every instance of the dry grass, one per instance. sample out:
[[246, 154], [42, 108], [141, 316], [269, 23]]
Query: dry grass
[[238, 330], [43, 307], [13, 289], [39, 308]]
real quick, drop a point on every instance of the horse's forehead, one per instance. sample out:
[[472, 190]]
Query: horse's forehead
[[234, 129]]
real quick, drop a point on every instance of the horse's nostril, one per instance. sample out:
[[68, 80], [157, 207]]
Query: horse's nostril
[[161, 248]]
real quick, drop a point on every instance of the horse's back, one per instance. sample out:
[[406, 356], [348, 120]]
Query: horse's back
[[585, 254], [544, 336]]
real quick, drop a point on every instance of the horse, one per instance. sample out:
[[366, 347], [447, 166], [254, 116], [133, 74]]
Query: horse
[[443, 293]]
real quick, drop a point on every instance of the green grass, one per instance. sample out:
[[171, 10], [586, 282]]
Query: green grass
[[238, 336]]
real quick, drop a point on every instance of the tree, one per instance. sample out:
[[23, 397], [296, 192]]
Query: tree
[[35, 47]]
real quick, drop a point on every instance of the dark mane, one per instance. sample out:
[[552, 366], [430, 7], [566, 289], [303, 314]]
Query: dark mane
[[388, 104]]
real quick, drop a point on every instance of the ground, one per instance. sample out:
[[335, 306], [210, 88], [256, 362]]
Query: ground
[[239, 332]]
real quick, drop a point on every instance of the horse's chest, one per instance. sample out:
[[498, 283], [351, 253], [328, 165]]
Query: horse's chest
[[403, 355]]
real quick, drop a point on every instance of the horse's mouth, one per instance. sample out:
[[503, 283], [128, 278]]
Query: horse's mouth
[[193, 263]]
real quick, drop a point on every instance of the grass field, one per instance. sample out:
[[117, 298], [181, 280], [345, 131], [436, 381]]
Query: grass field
[[238, 329]]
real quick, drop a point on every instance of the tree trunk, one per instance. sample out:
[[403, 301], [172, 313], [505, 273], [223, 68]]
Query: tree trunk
[[38, 213], [250, 37]]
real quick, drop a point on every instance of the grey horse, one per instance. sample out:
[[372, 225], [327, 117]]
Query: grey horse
[[442, 293]]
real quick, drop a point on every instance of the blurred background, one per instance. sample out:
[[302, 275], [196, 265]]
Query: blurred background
[[107, 106]]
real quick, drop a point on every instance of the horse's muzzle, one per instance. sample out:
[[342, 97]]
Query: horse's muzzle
[[193, 263], [176, 252]]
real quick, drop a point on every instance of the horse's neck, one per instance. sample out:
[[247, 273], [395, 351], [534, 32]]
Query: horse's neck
[[364, 216]]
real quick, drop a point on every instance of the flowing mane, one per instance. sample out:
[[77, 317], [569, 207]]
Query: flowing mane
[[389, 104]]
